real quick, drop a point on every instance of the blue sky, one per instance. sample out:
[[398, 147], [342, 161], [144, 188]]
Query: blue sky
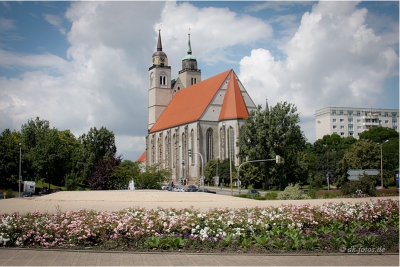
[[84, 64]]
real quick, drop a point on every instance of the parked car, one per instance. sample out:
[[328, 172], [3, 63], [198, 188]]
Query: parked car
[[206, 191], [192, 189], [44, 190], [27, 194], [253, 192]]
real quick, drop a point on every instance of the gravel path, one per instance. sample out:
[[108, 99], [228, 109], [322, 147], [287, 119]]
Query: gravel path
[[115, 200]]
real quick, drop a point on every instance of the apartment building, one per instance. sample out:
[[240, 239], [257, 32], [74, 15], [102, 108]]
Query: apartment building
[[347, 121]]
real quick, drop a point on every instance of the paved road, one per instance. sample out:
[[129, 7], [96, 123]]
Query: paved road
[[30, 257]]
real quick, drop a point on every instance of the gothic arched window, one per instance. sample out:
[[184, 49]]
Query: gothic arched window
[[192, 146], [163, 78], [209, 144]]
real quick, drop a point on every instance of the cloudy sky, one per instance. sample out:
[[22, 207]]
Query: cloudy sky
[[84, 64]]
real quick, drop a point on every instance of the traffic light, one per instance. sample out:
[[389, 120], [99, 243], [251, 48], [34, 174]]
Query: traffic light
[[278, 159], [190, 153]]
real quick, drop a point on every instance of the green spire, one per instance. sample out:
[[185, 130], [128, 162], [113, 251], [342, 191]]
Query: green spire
[[189, 55]]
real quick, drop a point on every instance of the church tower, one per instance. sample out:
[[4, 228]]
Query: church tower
[[189, 74], [159, 84]]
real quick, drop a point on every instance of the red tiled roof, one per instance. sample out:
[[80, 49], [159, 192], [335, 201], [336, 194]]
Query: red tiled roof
[[142, 157], [189, 104], [233, 106]]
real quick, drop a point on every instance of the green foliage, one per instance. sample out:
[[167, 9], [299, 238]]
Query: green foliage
[[9, 158], [362, 155], [152, 178], [366, 184], [312, 193], [379, 134], [292, 192], [125, 172], [272, 132], [317, 182], [95, 145], [210, 169], [271, 196], [72, 181]]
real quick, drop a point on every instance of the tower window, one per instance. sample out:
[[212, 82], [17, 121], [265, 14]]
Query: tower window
[[193, 81], [163, 79]]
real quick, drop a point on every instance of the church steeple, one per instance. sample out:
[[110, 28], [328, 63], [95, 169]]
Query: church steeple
[[189, 74], [159, 57]]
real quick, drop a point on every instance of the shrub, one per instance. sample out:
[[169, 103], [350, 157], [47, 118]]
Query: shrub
[[312, 193], [9, 193], [366, 184], [292, 192], [271, 196]]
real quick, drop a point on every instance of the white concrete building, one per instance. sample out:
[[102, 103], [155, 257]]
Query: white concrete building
[[347, 121]]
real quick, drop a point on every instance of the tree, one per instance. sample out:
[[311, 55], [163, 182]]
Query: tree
[[9, 158], [125, 172], [362, 155], [152, 178], [223, 171], [272, 132], [379, 134], [95, 145], [102, 178]]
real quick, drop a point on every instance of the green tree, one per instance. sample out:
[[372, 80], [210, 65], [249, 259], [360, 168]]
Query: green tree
[[9, 158], [125, 172], [96, 144], [272, 132], [32, 132], [362, 155], [379, 134], [152, 178]]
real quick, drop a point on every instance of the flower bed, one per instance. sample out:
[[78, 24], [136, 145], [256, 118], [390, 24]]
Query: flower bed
[[332, 227]]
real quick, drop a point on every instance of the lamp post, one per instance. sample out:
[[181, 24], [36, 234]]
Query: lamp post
[[382, 164], [19, 173]]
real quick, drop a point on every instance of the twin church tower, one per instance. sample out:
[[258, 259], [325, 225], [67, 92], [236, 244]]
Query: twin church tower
[[162, 87], [188, 113]]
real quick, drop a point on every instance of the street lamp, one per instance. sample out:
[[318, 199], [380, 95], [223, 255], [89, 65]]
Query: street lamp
[[382, 164], [19, 173]]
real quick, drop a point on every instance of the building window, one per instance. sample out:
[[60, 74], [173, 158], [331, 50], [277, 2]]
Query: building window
[[351, 133], [333, 112], [358, 121], [386, 114], [350, 127], [358, 113], [394, 114], [163, 79], [350, 113], [334, 126], [341, 126], [342, 134], [340, 112], [209, 144], [386, 121], [334, 132], [192, 146], [350, 121], [333, 120], [358, 127], [341, 120], [193, 81]]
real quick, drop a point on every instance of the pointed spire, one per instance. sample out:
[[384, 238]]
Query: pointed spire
[[159, 45], [189, 46], [266, 104]]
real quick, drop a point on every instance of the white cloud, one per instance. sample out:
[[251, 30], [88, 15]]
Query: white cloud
[[334, 59], [56, 21]]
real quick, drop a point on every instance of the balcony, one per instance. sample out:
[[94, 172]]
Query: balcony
[[374, 123]]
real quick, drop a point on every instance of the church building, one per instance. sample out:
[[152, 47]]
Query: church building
[[188, 113]]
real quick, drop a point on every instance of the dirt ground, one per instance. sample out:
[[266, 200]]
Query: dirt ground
[[116, 200]]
